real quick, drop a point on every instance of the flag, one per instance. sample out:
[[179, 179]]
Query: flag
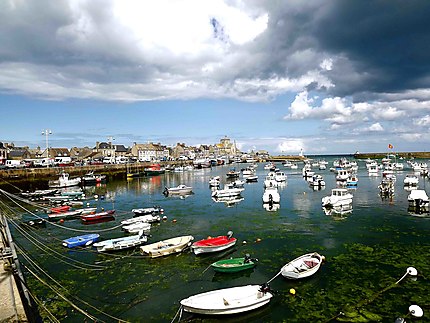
[[390, 146]]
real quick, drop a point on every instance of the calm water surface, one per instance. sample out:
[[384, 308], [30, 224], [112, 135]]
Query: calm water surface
[[366, 251]]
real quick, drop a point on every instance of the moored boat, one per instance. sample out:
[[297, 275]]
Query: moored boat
[[154, 169], [338, 197], [231, 300], [64, 180], [137, 227], [214, 244], [83, 240], [234, 265], [181, 189], [148, 210], [227, 192], [148, 218], [303, 266], [98, 217], [271, 195], [121, 243], [167, 247]]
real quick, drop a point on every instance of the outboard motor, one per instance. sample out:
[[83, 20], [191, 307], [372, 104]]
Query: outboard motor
[[229, 235], [247, 258]]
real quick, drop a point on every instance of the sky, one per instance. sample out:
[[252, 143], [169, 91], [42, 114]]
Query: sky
[[325, 77]]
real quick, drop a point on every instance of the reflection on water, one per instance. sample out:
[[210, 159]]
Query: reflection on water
[[131, 287]]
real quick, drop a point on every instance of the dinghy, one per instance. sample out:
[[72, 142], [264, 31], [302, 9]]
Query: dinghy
[[121, 243], [167, 247], [83, 240], [228, 300], [234, 265], [214, 244], [303, 266]]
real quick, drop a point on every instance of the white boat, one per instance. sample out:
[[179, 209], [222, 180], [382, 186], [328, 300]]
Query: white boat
[[271, 195], [231, 300], [64, 180], [227, 192], [167, 247], [214, 181], [137, 227], [251, 178], [179, 190], [280, 176], [149, 218], [239, 183], [342, 175], [317, 181], [155, 210], [303, 266], [270, 180], [338, 197], [418, 199], [386, 187], [410, 180], [373, 169], [121, 243], [352, 181]]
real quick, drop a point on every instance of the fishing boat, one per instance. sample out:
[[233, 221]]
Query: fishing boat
[[234, 265], [64, 180], [178, 190], [154, 169], [98, 217], [121, 243], [232, 173], [227, 192], [231, 300], [167, 247], [214, 244], [338, 197], [83, 240], [149, 218], [410, 180], [303, 266], [137, 227], [418, 200], [91, 179], [148, 210], [251, 178]]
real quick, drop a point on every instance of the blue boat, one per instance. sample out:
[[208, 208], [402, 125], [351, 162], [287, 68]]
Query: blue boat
[[84, 240]]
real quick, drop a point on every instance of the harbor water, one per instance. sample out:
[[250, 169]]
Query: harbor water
[[366, 251]]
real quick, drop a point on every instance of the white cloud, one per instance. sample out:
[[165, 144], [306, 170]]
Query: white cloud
[[292, 146], [375, 127], [423, 121]]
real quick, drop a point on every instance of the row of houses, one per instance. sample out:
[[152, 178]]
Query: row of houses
[[142, 152]]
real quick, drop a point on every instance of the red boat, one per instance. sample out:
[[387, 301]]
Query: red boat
[[60, 209], [98, 217], [214, 244]]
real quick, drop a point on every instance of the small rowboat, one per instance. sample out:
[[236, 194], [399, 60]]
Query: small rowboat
[[59, 209], [228, 300], [121, 243], [179, 190], [149, 218], [167, 247], [214, 244], [137, 226], [98, 217], [148, 210], [303, 266], [234, 265], [84, 240], [64, 215]]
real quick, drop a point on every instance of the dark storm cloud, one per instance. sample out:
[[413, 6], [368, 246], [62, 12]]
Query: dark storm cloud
[[387, 42]]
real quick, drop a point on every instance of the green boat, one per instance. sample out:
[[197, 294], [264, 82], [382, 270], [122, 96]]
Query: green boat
[[234, 265]]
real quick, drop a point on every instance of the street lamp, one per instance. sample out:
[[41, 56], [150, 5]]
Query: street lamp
[[46, 133]]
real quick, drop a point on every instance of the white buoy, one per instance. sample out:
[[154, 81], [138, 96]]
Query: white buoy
[[412, 271], [416, 311]]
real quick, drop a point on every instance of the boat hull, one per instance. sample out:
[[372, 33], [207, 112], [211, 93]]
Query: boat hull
[[227, 301], [84, 240], [167, 247], [205, 246], [233, 265], [303, 266]]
